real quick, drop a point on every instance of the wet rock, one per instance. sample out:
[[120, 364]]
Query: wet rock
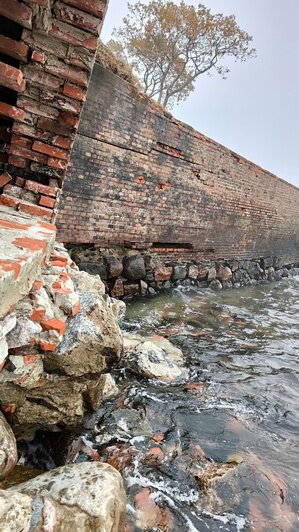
[[114, 266], [270, 274], [267, 262], [241, 278], [118, 289], [119, 456], [224, 273], [143, 288], [227, 284], [131, 289], [202, 284], [152, 362], [154, 456], [86, 496], [179, 273], [193, 271], [149, 516], [118, 308], [84, 282], [8, 448], [255, 271], [202, 273], [215, 285], [134, 268], [163, 274], [212, 274], [92, 341]]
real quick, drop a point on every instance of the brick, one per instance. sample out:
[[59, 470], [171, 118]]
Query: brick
[[38, 57], [95, 7], [11, 77], [76, 17], [38, 314], [64, 71], [59, 258], [19, 13], [4, 179], [60, 102], [14, 49], [20, 141], [70, 120], [54, 127], [72, 35], [47, 346], [45, 201], [30, 131], [54, 325], [62, 142], [10, 266], [59, 164], [75, 309], [19, 181], [10, 111], [74, 92], [16, 161], [37, 108], [38, 188], [37, 77], [35, 210], [37, 285], [8, 201], [50, 150], [27, 154]]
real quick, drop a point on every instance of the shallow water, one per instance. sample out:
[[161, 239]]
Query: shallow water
[[241, 347]]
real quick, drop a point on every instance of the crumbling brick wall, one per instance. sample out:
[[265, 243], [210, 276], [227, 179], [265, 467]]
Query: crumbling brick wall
[[141, 178], [47, 50]]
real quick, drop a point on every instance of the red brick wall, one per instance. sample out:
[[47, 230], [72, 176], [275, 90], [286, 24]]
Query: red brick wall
[[140, 177], [47, 52]]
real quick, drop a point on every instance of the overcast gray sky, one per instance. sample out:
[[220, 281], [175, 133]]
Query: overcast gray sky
[[255, 112]]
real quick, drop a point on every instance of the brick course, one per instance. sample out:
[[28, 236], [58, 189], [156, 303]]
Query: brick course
[[140, 177]]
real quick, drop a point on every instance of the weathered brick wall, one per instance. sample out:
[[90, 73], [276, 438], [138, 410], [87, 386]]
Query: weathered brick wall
[[47, 50], [140, 177]]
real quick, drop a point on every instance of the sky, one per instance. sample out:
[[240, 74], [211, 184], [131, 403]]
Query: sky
[[254, 112]]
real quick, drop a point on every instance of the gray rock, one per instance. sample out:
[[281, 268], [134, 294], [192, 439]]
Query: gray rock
[[212, 274], [255, 271], [153, 362], [84, 282], [15, 512], [270, 273], [24, 330], [215, 285], [227, 284], [193, 271], [134, 268], [224, 273], [8, 448], [92, 341], [87, 496], [94, 268], [114, 266], [179, 272]]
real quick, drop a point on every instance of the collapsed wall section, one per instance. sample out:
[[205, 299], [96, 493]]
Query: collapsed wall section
[[140, 178], [47, 50]]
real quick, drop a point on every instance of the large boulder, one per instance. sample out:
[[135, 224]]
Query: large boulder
[[151, 360], [87, 496], [92, 342], [134, 268], [8, 448]]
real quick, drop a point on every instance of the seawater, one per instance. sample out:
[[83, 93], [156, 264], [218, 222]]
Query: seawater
[[240, 405]]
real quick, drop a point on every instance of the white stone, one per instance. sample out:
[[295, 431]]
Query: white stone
[[153, 362], [3, 350]]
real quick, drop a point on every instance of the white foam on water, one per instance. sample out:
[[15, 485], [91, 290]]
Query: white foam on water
[[238, 520]]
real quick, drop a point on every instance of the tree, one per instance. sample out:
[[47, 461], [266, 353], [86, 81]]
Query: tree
[[170, 45]]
